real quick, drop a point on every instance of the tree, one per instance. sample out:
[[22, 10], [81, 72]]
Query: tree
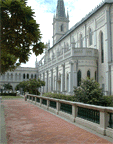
[[88, 92], [7, 86], [31, 86], [19, 34]]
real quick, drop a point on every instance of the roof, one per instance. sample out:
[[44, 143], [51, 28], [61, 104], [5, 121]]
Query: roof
[[60, 9]]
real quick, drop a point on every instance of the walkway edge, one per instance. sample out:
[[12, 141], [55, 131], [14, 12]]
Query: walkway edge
[[3, 138]]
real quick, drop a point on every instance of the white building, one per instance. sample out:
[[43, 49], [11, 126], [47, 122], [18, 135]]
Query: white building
[[19, 75], [84, 50]]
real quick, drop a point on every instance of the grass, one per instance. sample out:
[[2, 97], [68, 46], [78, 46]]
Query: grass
[[10, 97]]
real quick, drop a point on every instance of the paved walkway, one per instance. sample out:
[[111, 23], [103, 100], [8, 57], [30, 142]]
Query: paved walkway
[[29, 124]]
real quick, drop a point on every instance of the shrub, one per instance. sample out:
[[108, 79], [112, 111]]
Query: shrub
[[88, 92], [59, 96], [7, 94]]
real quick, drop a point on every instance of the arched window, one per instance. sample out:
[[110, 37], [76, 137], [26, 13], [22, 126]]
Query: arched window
[[95, 75], [11, 76], [19, 76], [78, 78], [90, 36], [23, 76], [31, 76], [35, 76], [102, 47], [62, 29], [88, 74], [27, 76], [16, 76], [81, 41], [7, 76]]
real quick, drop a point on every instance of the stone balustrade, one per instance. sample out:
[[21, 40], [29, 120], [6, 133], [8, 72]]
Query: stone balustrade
[[97, 118]]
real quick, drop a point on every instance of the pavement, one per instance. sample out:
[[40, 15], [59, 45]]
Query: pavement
[[28, 124], [3, 139]]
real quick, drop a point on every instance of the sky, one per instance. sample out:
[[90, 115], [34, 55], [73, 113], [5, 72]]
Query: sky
[[44, 11]]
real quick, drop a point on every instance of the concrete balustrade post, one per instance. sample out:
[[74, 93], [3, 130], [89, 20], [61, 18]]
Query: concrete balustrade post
[[58, 107], [48, 102], [74, 112], [40, 102], [35, 99], [104, 121]]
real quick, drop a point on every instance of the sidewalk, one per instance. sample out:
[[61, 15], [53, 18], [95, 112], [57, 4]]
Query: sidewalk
[[29, 124], [3, 139]]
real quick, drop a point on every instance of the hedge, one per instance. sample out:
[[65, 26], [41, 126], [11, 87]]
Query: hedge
[[7, 94]]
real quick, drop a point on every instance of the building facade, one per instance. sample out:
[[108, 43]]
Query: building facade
[[86, 50], [19, 75]]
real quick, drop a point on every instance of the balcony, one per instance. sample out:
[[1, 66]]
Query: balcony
[[85, 52]]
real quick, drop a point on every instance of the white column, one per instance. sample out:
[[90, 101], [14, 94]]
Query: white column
[[71, 76], [56, 78], [61, 82], [95, 35], [69, 81], [51, 79], [75, 79]]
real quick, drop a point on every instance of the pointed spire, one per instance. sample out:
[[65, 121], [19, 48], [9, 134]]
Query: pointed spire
[[67, 14], [60, 9]]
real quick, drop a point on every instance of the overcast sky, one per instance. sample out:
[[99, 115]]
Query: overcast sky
[[44, 11]]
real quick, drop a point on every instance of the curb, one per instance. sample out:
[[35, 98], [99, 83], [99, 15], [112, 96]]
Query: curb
[[3, 139]]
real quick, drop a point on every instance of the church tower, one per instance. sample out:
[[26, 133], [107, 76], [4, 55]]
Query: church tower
[[60, 22]]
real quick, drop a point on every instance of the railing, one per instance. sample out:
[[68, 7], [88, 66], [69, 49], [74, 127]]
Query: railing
[[33, 98], [111, 120], [53, 104], [89, 114], [66, 108], [98, 118], [44, 101], [38, 100]]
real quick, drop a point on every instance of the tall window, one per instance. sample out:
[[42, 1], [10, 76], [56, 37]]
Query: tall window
[[23, 76], [27, 76], [31, 76], [19, 76], [81, 41], [62, 29], [102, 47], [35, 77], [95, 75], [90, 36], [78, 78], [88, 74]]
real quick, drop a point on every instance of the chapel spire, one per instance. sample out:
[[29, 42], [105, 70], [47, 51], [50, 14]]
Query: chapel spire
[[60, 9], [60, 22]]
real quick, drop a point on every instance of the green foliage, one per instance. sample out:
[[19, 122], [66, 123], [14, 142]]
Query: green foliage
[[7, 86], [89, 92], [10, 97], [20, 34], [59, 96], [7, 94], [30, 86], [107, 101]]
